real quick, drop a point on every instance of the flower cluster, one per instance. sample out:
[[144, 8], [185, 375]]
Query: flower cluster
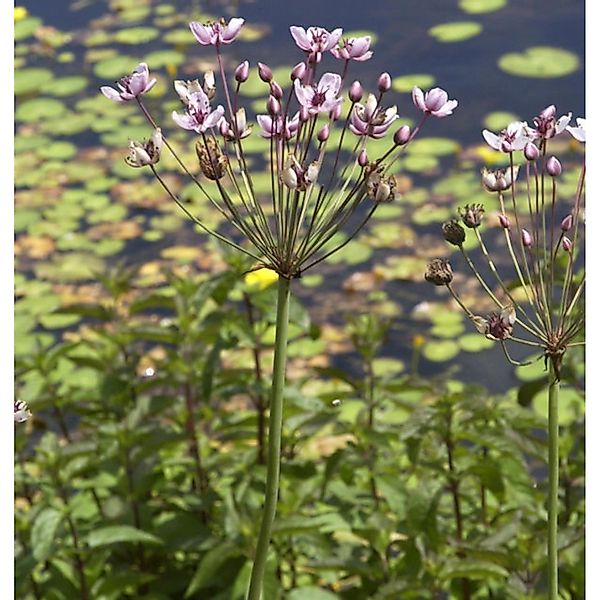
[[545, 298], [318, 183]]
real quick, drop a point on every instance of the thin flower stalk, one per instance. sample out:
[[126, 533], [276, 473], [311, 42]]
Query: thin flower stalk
[[318, 188], [552, 283]]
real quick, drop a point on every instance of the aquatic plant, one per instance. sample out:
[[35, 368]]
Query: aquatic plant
[[543, 298], [319, 184]]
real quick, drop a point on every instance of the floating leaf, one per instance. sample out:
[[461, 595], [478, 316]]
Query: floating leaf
[[39, 109], [476, 7], [571, 405], [60, 150], [164, 58], [67, 86], [434, 146], [30, 80], [26, 27], [474, 342], [498, 120], [115, 67], [136, 35], [540, 62], [455, 32], [440, 350], [405, 83]]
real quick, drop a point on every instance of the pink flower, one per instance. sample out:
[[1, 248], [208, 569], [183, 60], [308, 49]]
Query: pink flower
[[130, 86], [547, 125], [578, 132], [353, 49], [214, 34], [199, 116], [435, 102], [514, 137], [320, 98], [315, 40], [371, 119], [279, 127]]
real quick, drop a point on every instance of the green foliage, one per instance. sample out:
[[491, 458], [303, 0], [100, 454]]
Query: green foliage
[[143, 474]]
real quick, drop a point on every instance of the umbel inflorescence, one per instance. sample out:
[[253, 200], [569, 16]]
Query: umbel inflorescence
[[320, 182], [542, 232]]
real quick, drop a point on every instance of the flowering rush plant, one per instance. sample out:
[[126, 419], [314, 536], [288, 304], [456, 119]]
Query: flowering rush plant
[[319, 183], [541, 307]]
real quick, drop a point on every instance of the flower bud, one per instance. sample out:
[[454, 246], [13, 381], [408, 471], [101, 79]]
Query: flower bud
[[289, 178], [276, 90], [567, 244], [273, 106], [323, 134], [334, 114], [363, 159], [242, 71], [303, 114], [553, 166], [567, 223], [453, 232], [355, 93], [402, 136], [224, 127], [439, 272], [298, 71], [531, 151], [211, 159], [384, 83], [265, 73], [526, 238], [504, 222]]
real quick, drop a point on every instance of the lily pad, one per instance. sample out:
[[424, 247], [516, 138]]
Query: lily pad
[[498, 120], [60, 150], [164, 58], [39, 109], [455, 32], [420, 163], [475, 7], [540, 62], [136, 35], [571, 404], [434, 146], [31, 80], [405, 83], [474, 342], [26, 27], [66, 86], [115, 67], [74, 266], [440, 350]]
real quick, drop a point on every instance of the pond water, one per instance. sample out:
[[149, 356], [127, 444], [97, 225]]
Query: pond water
[[74, 214]]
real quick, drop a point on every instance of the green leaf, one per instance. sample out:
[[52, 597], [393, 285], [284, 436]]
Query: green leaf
[[210, 564], [405, 83], [311, 593], [43, 532], [116, 534], [472, 569]]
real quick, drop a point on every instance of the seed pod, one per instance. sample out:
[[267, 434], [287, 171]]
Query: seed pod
[[212, 161], [439, 272], [453, 232]]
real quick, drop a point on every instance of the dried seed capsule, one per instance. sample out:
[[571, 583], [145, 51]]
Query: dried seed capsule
[[439, 272]]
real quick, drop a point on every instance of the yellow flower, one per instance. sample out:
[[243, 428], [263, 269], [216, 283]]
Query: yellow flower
[[20, 13], [260, 279]]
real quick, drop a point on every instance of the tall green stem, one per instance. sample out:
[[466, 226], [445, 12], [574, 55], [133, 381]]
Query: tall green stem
[[553, 388], [275, 428]]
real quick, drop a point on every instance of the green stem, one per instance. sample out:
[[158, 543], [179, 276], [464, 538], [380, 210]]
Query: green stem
[[553, 389], [274, 450]]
